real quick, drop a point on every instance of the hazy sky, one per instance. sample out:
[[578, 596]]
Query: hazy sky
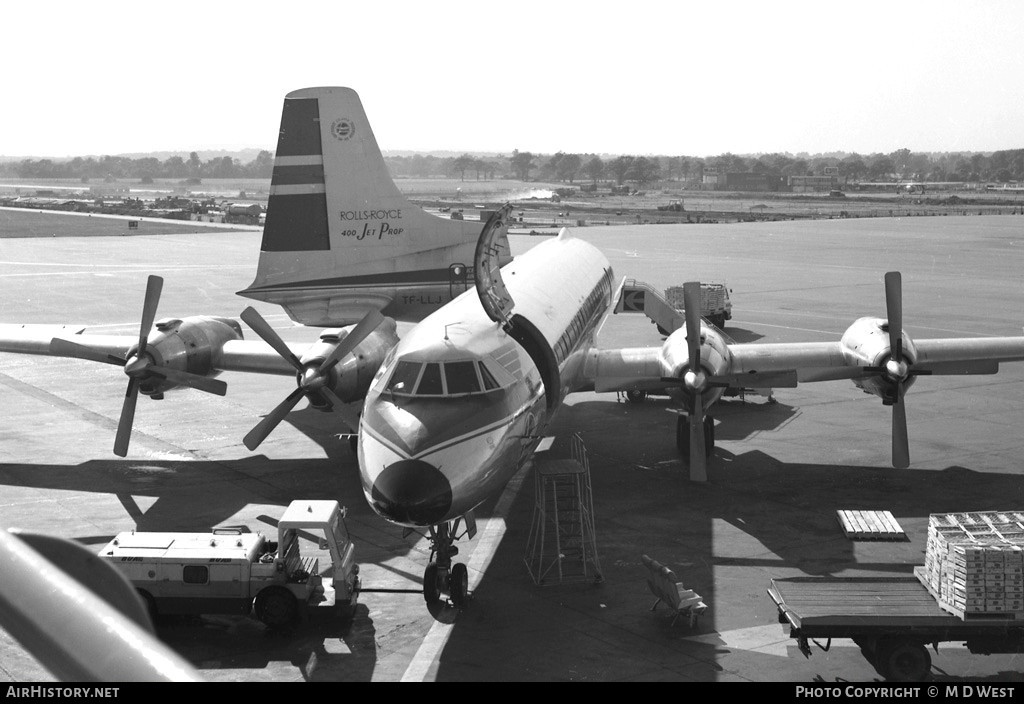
[[638, 77]]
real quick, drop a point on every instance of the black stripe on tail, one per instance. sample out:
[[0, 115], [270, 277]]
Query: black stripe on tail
[[297, 208]]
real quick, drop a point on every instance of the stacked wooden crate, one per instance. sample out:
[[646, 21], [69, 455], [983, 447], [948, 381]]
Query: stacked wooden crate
[[974, 562]]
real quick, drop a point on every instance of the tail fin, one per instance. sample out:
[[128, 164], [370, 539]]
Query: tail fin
[[340, 238]]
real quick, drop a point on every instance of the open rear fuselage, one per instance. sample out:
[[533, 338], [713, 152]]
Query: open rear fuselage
[[462, 401]]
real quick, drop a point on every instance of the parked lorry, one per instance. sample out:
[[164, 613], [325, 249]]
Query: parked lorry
[[714, 302], [892, 619], [243, 213], [236, 571]]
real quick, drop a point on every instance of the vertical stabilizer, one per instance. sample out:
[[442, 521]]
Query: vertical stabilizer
[[340, 239]]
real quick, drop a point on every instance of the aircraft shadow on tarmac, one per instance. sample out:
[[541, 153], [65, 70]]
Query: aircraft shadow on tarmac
[[788, 510], [320, 649], [190, 495], [737, 417], [323, 428], [755, 519]]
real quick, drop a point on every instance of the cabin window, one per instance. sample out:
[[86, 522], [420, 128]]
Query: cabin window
[[461, 378], [195, 574], [430, 382], [404, 378], [489, 382]]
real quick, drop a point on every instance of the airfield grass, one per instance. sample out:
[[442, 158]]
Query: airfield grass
[[441, 194], [38, 223]]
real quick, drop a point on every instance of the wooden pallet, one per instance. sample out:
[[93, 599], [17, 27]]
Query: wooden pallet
[[922, 577], [870, 525]]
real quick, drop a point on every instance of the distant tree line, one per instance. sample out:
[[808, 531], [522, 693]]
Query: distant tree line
[[1002, 166], [1007, 165], [144, 168]]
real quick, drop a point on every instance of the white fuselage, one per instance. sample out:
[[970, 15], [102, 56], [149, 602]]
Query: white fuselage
[[460, 403]]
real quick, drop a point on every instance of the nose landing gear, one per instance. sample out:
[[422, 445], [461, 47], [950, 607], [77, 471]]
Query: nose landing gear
[[442, 577]]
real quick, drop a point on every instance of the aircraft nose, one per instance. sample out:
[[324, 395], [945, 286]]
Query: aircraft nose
[[412, 492]]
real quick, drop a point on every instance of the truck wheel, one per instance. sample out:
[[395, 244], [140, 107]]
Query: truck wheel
[[150, 602], [431, 594], [458, 585], [276, 607], [904, 661], [636, 396]]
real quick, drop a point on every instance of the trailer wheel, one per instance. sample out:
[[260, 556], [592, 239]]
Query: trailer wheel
[[276, 607], [904, 661]]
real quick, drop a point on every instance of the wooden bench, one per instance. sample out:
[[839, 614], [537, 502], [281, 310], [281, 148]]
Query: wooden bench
[[663, 584]]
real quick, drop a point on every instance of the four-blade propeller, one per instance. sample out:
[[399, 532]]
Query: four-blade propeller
[[696, 381], [896, 369], [139, 366], [313, 379]]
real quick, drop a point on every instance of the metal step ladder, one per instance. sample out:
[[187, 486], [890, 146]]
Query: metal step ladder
[[562, 546]]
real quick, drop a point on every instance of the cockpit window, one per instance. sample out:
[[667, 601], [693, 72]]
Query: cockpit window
[[442, 379], [404, 378], [489, 383], [461, 378], [430, 382]]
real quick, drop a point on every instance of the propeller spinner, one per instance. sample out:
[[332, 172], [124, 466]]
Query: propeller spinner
[[312, 378]]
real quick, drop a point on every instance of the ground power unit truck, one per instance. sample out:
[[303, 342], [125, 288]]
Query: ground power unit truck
[[236, 571]]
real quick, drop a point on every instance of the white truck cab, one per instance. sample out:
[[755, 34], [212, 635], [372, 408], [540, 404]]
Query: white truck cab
[[230, 570]]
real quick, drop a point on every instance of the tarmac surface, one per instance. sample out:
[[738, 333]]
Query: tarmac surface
[[779, 473]]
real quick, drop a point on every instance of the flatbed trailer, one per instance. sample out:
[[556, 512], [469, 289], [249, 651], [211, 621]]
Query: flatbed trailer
[[892, 619]]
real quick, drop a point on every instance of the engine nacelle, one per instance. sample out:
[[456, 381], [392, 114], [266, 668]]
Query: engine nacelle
[[350, 378], [715, 359], [190, 345], [866, 344]]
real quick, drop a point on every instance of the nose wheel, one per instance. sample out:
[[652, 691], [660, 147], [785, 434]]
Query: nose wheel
[[453, 583], [442, 577]]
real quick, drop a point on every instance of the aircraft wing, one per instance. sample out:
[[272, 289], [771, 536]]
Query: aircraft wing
[[752, 366], [811, 361], [254, 356], [764, 365], [950, 351], [829, 361]]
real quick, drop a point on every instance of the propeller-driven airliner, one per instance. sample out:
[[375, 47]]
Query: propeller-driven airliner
[[446, 415]]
